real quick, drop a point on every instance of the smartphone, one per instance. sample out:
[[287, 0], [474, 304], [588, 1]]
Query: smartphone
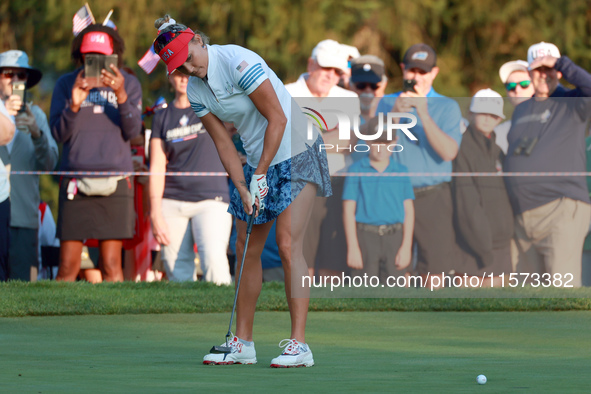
[[19, 89], [408, 85], [94, 64]]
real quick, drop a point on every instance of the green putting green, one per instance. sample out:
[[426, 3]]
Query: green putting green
[[354, 352]]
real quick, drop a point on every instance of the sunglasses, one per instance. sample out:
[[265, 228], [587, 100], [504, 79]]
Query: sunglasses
[[363, 85], [513, 85], [165, 38], [11, 73], [337, 71]]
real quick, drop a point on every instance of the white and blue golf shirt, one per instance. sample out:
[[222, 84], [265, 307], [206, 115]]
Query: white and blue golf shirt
[[233, 73]]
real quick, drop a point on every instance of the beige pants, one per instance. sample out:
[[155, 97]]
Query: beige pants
[[549, 239]]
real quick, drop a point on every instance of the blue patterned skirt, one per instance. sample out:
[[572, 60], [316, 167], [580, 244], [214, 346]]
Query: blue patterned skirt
[[286, 180]]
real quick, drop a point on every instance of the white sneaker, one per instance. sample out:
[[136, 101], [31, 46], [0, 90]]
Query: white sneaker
[[295, 354], [240, 354]]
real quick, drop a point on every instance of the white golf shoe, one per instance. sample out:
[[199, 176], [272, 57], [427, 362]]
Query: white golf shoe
[[295, 354], [240, 354]]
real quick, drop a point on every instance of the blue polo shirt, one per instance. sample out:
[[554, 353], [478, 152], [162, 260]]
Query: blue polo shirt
[[380, 199], [419, 156]]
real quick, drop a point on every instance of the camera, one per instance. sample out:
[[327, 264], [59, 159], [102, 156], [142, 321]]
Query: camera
[[19, 89], [408, 85], [526, 146], [94, 64]]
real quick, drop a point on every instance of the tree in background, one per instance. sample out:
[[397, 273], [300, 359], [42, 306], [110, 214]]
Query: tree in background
[[472, 37]]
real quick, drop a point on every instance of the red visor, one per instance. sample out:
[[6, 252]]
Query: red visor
[[176, 51]]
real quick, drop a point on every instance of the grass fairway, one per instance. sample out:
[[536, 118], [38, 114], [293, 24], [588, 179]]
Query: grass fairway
[[354, 352]]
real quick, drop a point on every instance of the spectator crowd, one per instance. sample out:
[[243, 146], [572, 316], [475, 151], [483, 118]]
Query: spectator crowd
[[403, 202]]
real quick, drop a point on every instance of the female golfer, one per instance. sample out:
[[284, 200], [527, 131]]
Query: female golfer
[[284, 171]]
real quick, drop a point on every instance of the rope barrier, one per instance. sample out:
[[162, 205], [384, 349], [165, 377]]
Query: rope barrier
[[341, 174]]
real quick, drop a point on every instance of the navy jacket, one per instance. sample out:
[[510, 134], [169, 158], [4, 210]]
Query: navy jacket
[[559, 124]]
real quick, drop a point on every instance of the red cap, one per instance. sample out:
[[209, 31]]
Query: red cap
[[97, 42], [175, 53]]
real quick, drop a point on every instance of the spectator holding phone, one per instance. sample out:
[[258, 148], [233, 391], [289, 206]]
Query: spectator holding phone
[[95, 125], [31, 149], [437, 142]]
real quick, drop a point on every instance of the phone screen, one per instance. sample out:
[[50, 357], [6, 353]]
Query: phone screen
[[94, 64], [18, 89]]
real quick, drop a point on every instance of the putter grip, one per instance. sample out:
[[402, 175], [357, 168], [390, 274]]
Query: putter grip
[[251, 220]]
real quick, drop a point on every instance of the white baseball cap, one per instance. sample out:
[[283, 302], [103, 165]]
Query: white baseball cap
[[487, 101], [510, 67], [350, 51], [329, 53], [541, 49]]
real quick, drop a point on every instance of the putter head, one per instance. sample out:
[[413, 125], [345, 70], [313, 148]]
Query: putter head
[[221, 349]]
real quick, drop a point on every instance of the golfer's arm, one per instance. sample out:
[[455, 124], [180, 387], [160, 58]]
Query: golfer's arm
[[157, 177], [226, 150], [266, 101]]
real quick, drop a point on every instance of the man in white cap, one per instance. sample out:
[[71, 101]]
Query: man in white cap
[[317, 90], [552, 213], [32, 149], [326, 65], [515, 77]]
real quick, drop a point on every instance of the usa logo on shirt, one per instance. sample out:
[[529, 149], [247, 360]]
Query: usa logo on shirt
[[184, 120], [229, 87]]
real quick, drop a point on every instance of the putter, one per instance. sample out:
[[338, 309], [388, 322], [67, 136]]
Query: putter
[[227, 348]]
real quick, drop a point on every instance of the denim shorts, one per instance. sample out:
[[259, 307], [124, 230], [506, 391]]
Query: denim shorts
[[286, 180]]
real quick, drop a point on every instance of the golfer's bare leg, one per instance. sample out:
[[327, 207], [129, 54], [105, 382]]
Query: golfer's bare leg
[[291, 225], [252, 275]]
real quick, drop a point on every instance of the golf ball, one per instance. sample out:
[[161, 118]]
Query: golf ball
[[481, 379]]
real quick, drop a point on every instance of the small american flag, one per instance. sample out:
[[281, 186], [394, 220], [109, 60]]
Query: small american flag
[[82, 19], [149, 61], [242, 66]]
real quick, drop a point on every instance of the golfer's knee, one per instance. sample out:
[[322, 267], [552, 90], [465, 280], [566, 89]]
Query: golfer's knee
[[239, 246], [284, 253]]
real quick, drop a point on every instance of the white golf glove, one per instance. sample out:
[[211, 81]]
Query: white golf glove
[[259, 188]]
